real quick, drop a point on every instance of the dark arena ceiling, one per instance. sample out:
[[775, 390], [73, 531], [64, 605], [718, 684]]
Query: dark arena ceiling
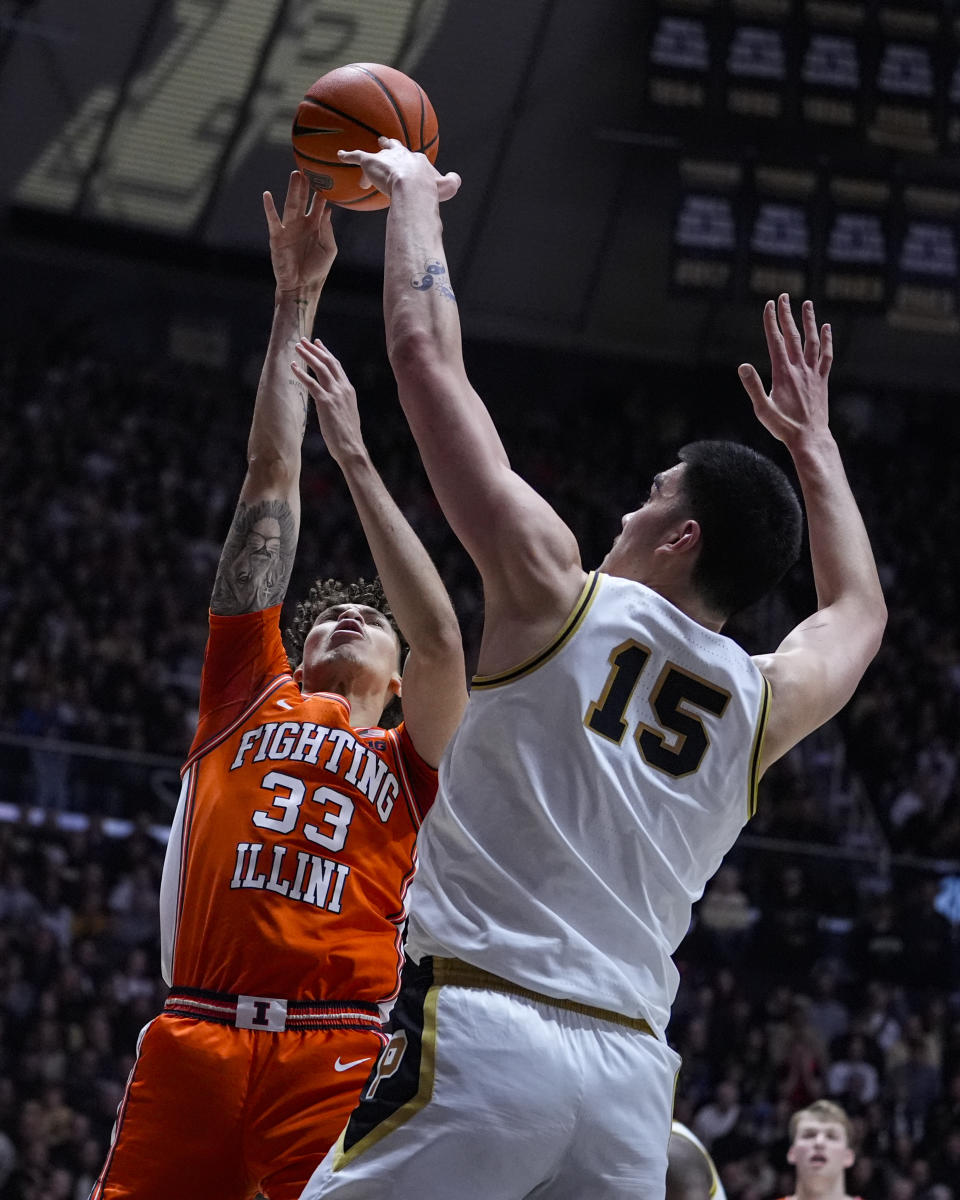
[[638, 176]]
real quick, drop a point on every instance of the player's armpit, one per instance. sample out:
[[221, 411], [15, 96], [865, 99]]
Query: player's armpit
[[813, 674]]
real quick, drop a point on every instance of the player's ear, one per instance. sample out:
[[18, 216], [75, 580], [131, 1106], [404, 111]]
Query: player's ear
[[791, 1156], [684, 538], [298, 674], [848, 1158], [396, 679]]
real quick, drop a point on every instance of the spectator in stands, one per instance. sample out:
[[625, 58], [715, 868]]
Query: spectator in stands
[[852, 1079], [879, 1019], [864, 1180], [788, 925], [879, 944], [804, 1066], [946, 1161], [930, 938], [828, 1015], [18, 904], [726, 916], [718, 1116], [914, 1084]]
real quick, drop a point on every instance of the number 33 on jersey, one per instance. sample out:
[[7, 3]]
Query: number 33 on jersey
[[295, 833]]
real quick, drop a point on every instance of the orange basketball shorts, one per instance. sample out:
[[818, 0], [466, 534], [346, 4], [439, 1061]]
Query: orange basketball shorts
[[215, 1111]]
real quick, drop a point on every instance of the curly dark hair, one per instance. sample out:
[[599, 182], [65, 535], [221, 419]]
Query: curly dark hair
[[324, 594]]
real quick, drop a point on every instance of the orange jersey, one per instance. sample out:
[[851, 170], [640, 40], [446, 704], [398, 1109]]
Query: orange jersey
[[293, 844]]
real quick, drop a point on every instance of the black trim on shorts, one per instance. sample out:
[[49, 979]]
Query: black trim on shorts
[[405, 1085]]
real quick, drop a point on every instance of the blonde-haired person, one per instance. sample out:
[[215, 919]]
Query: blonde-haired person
[[820, 1151]]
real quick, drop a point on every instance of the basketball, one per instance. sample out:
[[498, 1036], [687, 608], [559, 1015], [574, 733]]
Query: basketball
[[348, 109]]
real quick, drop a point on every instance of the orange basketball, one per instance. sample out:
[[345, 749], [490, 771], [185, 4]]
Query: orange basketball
[[348, 109]]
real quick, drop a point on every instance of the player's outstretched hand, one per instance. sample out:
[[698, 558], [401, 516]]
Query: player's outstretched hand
[[796, 405], [394, 161], [302, 245], [334, 397]]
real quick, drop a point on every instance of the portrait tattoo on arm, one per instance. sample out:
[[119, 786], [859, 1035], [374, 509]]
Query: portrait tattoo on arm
[[257, 559]]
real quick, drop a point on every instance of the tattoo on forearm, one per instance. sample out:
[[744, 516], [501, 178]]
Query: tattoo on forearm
[[257, 558], [303, 331], [434, 276], [302, 326], [305, 401]]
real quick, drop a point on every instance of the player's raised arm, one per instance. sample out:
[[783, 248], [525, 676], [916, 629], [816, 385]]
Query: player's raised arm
[[258, 554], [815, 670], [526, 555], [434, 678]]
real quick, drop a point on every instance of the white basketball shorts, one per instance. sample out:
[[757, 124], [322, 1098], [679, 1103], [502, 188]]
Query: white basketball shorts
[[485, 1094]]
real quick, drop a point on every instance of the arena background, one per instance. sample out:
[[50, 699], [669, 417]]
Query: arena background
[[638, 178]]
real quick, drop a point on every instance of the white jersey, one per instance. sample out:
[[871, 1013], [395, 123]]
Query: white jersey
[[586, 799], [681, 1131]]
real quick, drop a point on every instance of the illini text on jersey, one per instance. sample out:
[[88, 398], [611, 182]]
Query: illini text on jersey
[[310, 878]]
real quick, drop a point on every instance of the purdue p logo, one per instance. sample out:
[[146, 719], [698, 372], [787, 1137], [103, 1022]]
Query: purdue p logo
[[388, 1063]]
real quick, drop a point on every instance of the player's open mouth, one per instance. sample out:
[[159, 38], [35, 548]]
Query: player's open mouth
[[346, 631], [344, 635]]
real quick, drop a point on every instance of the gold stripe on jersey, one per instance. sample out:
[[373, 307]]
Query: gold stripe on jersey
[[570, 626], [428, 1057], [451, 972], [681, 1131], [754, 781]]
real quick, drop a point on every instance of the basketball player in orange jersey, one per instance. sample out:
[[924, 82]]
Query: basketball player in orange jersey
[[293, 844], [606, 761], [820, 1151]]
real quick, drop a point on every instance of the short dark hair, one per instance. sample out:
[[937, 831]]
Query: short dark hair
[[750, 518], [324, 594]]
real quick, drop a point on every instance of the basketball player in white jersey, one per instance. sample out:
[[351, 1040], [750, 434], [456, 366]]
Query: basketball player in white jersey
[[691, 1173], [607, 760]]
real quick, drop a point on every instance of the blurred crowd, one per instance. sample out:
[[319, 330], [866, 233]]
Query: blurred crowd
[[804, 974], [798, 986], [792, 988], [79, 978]]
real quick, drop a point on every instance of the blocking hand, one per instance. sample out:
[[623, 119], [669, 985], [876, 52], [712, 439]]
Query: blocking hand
[[796, 404], [302, 245], [394, 161]]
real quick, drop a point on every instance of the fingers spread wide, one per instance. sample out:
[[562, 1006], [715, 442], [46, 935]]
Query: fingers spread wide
[[752, 383], [811, 339]]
